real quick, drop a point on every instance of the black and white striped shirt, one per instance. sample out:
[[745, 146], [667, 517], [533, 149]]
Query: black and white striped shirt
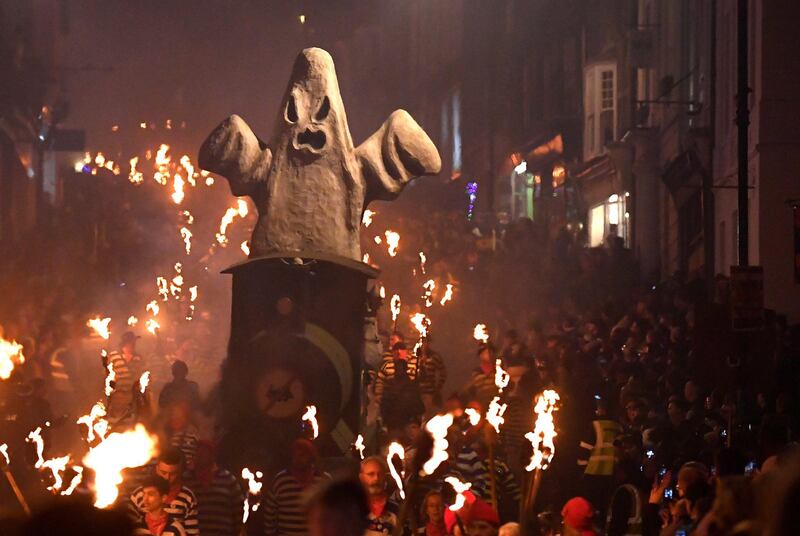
[[172, 528], [220, 504], [126, 373], [183, 508], [285, 502]]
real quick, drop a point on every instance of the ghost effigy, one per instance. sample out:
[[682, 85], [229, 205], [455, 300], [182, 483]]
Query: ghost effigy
[[309, 183]]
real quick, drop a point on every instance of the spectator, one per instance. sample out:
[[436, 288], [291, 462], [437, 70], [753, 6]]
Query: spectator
[[156, 521], [577, 515], [180, 389], [475, 518], [432, 515], [382, 518], [433, 376], [219, 495], [397, 389], [339, 509], [127, 367], [481, 386]]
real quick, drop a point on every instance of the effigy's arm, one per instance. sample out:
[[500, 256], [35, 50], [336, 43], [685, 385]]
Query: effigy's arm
[[394, 155], [235, 152]]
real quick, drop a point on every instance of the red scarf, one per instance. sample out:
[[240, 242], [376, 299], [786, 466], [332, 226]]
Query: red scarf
[[156, 526], [432, 529], [377, 506]]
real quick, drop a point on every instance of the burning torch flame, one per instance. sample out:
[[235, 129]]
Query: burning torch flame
[[494, 415], [460, 488], [188, 216], [4, 452], [365, 258], [144, 381], [501, 377], [163, 288], [162, 164], [100, 326], [253, 489], [378, 240], [135, 176], [396, 449], [227, 219], [56, 466], [422, 260], [311, 416], [95, 422], [242, 207], [448, 294], [177, 185], [187, 165], [36, 438], [359, 446], [437, 426], [245, 248], [10, 355], [395, 306], [132, 320], [544, 431], [421, 323], [474, 416], [152, 307], [480, 334], [119, 451], [76, 480], [393, 242], [366, 218], [186, 234], [110, 377], [193, 293], [152, 326], [429, 286]]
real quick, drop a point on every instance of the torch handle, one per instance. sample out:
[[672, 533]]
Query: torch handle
[[18, 492]]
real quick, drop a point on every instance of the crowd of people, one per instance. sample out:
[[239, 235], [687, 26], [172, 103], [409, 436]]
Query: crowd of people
[[665, 424]]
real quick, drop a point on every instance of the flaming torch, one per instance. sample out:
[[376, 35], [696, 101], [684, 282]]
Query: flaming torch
[[460, 488], [448, 294], [544, 432], [366, 218], [100, 326], [253, 490], [396, 449], [10, 356], [359, 446], [395, 306], [392, 242], [311, 416], [437, 426], [480, 333]]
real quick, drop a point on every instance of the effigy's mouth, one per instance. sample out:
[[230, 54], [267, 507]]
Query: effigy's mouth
[[315, 139]]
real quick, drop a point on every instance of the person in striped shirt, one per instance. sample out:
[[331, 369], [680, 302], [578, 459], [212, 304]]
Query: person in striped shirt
[[156, 521], [383, 512], [481, 386], [127, 367], [219, 495], [285, 502], [397, 389], [180, 501], [433, 376]]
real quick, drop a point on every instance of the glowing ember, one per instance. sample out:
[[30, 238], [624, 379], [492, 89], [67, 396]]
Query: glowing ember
[[4, 452], [480, 333], [186, 234], [494, 415], [100, 326], [393, 242], [460, 488], [110, 377], [36, 438], [311, 416], [132, 320], [429, 286], [366, 218], [245, 248], [144, 381], [395, 306], [359, 446], [56, 466], [119, 451], [422, 260], [10, 356], [544, 431], [448, 294], [76, 480], [437, 426], [253, 489], [396, 449], [135, 176], [474, 416], [152, 326]]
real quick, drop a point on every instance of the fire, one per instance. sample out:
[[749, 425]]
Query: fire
[[132, 320], [10, 356], [396, 449], [366, 218], [422, 260], [36, 437], [392, 241], [437, 426], [494, 415], [189, 218], [245, 248], [163, 288], [100, 159], [242, 207], [4, 452], [474, 416], [460, 488], [395, 306], [311, 416], [177, 185], [382, 291], [187, 165], [152, 326], [227, 219], [193, 293], [144, 381], [480, 333], [110, 377], [359, 446], [186, 234], [378, 240], [176, 284], [448, 294], [365, 258], [421, 323], [501, 377], [119, 451], [152, 307], [135, 176], [544, 431], [76, 480], [100, 326], [429, 286], [162, 165], [253, 488], [94, 421], [56, 466]]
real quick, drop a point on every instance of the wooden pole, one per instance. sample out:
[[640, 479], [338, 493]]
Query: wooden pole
[[18, 492], [532, 484], [489, 437]]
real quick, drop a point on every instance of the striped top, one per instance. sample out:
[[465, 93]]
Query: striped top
[[173, 528], [519, 420], [183, 508], [219, 505], [475, 469], [186, 441], [126, 373], [285, 504], [383, 524], [434, 373], [388, 376], [481, 386]]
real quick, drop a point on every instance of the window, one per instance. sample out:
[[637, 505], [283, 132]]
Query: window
[[599, 108]]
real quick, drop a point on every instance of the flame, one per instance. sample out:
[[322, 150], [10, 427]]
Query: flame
[[448, 294], [189, 218], [176, 284], [110, 377], [421, 323], [378, 240], [392, 241], [135, 176], [4, 452], [95, 422], [359, 446], [162, 165], [100, 326], [144, 381], [365, 258], [10, 356], [494, 415], [242, 207], [395, 305], [36, 437], [119, 451], [132, 320], [382, 291], [177, 185], [245, 248], [186, 234], [227, 219], [422, 260], [544, 431], [311, 416], [253, 488], [501, 377], [396, 449], [100, 159], [429, 286], [56, 466], [474, 416], [366, 218], [76, 480], [460, 488], [152, 326], [437, 426], [187, 165], [193, 293], [152, 307], [480, 334], [163, 288]]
